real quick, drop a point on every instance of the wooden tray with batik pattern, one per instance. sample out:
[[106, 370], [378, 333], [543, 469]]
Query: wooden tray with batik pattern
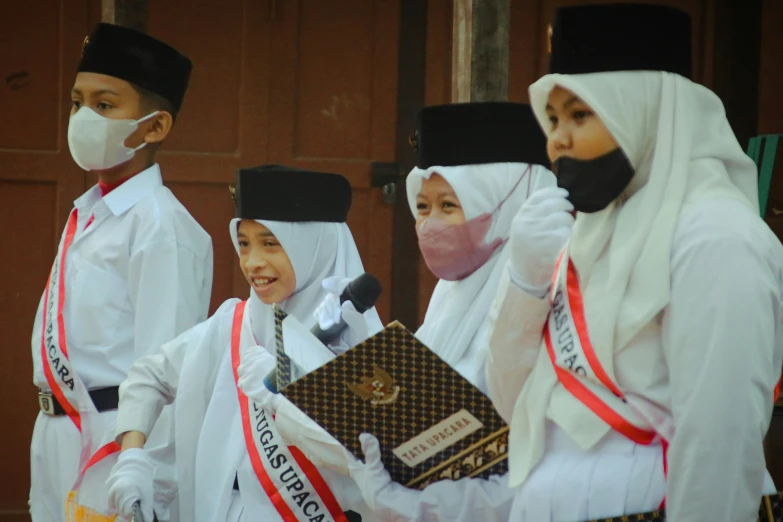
[[431, 422]]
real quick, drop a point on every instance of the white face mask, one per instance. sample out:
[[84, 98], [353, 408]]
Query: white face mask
[[97, 142]]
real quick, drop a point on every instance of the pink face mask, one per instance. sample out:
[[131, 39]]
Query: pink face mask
[[454, 251]]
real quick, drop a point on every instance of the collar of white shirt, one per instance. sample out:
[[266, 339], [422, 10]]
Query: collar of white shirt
[[121, 199]]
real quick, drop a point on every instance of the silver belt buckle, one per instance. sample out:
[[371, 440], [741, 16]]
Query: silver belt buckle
[[46, 403]]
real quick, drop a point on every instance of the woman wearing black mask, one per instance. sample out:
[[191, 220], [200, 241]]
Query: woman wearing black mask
[[638, 344]]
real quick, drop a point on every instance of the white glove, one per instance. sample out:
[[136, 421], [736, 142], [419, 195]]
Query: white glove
[[316, 443], [389, 500], [255, 364], [464, 500], [131, 479], [539, 232], [329, 312]]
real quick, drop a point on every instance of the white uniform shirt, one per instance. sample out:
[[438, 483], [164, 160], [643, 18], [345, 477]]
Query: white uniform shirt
[[711, 359], [138, 275], [194, 369]]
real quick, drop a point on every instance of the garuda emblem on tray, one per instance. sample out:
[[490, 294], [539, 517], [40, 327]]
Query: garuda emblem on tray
[[378, 389]]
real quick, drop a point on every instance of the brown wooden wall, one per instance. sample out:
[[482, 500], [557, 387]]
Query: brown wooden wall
[[40, 44], [304, 82]]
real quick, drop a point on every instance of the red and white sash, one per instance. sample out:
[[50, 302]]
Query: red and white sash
[[54, 351], [580, 371], [293, 483], [65, 384]]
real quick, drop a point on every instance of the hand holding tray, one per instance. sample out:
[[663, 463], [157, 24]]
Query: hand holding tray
[[431, 422]]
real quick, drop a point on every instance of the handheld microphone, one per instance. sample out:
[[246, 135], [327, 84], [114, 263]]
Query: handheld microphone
[[363, 292]]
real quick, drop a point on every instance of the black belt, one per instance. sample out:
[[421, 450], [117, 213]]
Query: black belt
[[104, 399], [352, 516], [771, 510]]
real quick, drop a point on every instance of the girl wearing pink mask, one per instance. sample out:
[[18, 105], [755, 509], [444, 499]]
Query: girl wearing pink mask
[[478, 163]]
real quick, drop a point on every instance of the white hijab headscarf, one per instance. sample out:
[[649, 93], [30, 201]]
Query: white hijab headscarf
[[676, 136], [458, 308], [316, 250]]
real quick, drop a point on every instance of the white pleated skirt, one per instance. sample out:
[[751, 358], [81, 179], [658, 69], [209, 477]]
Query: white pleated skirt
[[615, 477]]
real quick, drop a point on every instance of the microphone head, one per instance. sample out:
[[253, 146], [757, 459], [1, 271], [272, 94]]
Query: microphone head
[[363, 292]]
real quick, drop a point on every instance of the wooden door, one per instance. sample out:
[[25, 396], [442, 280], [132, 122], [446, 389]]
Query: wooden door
[[222, 124], [332, 106], [309, 83], [40, 44]]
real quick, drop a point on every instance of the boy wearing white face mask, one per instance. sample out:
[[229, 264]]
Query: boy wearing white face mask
[[133, 268]]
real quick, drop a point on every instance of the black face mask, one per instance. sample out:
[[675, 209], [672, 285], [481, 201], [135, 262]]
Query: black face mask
[[593, 184]]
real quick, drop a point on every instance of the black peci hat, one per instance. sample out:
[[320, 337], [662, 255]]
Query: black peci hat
[[137, 58], [280, 193], [620, 37], [477, 133]]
